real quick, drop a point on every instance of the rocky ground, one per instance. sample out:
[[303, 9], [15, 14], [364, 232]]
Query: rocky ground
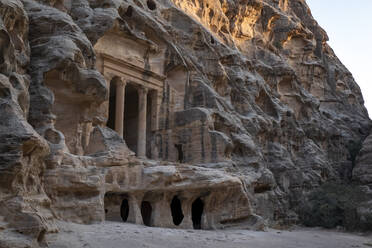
[[116, 234]]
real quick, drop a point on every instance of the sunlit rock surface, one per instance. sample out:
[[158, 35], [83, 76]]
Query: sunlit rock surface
[[183, 114]]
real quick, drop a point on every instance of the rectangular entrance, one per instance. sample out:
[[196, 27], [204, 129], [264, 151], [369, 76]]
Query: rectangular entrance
[[133, 114], [131, 117]]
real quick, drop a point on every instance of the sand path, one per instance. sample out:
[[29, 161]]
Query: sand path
[[123, 235]]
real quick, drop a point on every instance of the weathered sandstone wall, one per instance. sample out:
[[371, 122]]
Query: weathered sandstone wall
[[253, 97]]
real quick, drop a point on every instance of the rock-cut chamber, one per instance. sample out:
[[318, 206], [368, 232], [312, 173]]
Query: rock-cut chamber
[[176, 209], [197, 209]]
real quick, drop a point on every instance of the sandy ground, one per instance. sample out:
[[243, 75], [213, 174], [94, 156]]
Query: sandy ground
[[123, 235]]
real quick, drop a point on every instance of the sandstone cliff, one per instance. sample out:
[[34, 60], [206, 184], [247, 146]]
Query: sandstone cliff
[[362, 175], [246, 110]]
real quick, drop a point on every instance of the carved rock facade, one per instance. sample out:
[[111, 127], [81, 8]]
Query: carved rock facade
[[181, 114]]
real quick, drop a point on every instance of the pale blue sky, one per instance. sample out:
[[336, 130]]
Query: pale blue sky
[[348, 25]]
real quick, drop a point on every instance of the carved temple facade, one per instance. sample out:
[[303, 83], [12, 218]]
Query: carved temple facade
[[148, 105], [136, 82]]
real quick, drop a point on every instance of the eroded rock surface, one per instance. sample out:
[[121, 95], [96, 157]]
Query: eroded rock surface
[[363, 169], [362, 175], [225, 114]]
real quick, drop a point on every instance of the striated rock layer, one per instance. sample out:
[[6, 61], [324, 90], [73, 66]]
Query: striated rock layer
[[362, 172], [362, 175], [234, 111]]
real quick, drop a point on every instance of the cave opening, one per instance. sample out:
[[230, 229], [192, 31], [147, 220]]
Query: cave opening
[[129, 11], [116, 207], [197, 209], [176, 210], [124, 210], [180, 152], [146, 212], [151, 4]]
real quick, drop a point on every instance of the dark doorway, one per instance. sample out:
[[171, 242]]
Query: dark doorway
[[112, 105], [149, 121], [176, 209], [124, 210], [116, 207], [196, 213], [131, 117], [146, 211], [129, 11], [180, 152]]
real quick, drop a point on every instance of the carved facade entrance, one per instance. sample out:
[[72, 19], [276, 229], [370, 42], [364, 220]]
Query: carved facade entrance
[[135, 93]]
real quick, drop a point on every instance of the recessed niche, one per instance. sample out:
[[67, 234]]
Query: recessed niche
[[129, 11], [151, 4], [124, 210], [176, 209], [197, 209], [146, 212]]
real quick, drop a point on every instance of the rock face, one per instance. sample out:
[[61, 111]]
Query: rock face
[[170, 113], [362, 172], [24, 205], [362, 175]]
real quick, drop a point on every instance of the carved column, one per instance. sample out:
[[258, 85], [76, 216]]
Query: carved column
[[106, 105], [119, 111], [142, 110], [108, 78]]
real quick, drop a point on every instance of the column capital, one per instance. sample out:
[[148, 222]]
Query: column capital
[[143, 90], [121, 81], [108, 76]]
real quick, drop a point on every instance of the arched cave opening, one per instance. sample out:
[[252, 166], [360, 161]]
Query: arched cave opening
[[176, 209], [197, 209], [146, 212], [129, 11], [180, 152], [151, 4], [116, 206], [124, 210]]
